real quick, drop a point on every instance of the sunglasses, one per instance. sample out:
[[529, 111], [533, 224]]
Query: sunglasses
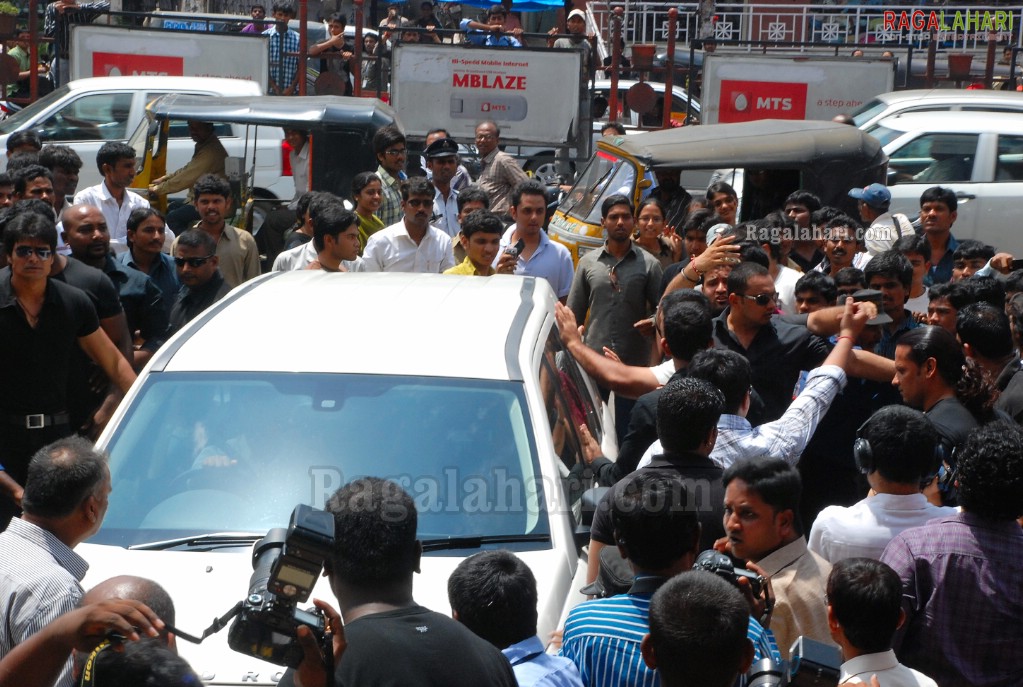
[[763, 299], [397, 152], [419, 202], [192, 262], [25, 251]]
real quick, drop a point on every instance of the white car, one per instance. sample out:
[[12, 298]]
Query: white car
[[979, 156], [935, 100], [456, 387], [87, 113]]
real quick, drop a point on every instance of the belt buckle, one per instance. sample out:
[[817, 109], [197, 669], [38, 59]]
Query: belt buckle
[[37, 421]]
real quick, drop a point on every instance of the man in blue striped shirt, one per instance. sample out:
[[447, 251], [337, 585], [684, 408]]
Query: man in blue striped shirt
[[659, 535]]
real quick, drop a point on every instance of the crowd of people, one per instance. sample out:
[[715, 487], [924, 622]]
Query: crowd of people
[[830, 401]]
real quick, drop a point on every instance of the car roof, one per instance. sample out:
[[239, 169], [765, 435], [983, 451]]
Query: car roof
[[281, 111], [952, 121], [170, 83], [766, 142], [396, 324], [952, 96]]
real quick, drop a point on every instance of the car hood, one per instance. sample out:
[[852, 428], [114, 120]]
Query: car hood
[[205, 585]]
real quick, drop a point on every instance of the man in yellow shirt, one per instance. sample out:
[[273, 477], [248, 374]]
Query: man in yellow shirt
[[481, 239]]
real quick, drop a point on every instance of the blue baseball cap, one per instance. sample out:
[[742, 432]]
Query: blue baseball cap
[[876, 195]]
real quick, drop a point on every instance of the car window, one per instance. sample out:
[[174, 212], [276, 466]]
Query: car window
[[215, 452], [95, 117], [179, 128], [868, 112], [934, 159], [1010, 159], [569, 405]]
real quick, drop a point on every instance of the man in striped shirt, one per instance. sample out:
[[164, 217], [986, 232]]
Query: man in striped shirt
[[66, 496], [659, 536]]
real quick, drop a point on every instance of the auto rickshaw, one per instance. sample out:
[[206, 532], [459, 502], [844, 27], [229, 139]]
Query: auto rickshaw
[[824, 158], [340, 133]]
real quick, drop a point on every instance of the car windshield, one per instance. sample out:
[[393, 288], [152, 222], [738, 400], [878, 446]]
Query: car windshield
[[17, 120], [868, 112], [202, 453], [605, 175]]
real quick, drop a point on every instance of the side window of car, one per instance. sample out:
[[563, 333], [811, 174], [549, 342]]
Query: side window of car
[[934, 159], [96, 117], [179, 128], [1010, 159]]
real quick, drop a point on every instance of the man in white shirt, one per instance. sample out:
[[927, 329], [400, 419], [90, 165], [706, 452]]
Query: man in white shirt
[[896, 449], [442, 161], [412, 244], [539, 256], [883, 228], [116, 162], [864, 611]]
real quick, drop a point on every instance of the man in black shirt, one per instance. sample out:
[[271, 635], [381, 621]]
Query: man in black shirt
[[687, 415], [391, 640], [41, 320], [195, 255], [86, 233]]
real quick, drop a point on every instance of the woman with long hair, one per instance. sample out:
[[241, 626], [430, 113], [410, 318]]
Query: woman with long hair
[[367, 194]]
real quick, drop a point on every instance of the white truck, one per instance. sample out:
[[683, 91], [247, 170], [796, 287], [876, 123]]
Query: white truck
[[87, 113]]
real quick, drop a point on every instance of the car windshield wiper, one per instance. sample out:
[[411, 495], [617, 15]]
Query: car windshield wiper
[[204, 541], [450, 543]]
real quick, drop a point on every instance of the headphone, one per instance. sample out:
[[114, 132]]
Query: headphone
[[863, 454]]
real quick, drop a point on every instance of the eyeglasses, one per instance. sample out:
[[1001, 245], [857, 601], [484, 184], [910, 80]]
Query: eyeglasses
[[485, 137], [25, 251], [763, 299], [192, 262], [397, 152], [419, 202]]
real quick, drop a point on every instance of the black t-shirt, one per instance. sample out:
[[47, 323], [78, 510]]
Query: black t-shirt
[[953, 423], [191, 302], [96, 285], [413, 647], [702, 478], [37, 361]]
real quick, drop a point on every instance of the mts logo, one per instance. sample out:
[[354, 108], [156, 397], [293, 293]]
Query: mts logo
[[745, 101]]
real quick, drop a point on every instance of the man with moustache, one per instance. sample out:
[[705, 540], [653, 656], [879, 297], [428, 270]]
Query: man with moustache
[[616, 287], [195, 255], [412, 244], [86, 234], [116, 162], [841, 246], [236, 250]]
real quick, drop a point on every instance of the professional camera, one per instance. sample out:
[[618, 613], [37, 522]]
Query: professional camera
[[813, 664], [286, 564], [721, 565]]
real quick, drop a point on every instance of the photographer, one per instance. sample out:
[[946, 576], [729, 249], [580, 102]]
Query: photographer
[[864, 611], [388, 639]]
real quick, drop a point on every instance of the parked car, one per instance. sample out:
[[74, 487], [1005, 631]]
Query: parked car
[[87, 113], [476, 419], [823, 157], [540, 160], [979, 156], [935, 100]]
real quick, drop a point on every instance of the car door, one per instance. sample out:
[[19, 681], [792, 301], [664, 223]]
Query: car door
[[920, 160], [87, 121], [998, 187]]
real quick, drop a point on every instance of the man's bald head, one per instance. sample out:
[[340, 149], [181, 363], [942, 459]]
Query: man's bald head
[[137, 589], [76, 214]]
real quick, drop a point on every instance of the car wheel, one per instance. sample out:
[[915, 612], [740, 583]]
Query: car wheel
[[544, 169]]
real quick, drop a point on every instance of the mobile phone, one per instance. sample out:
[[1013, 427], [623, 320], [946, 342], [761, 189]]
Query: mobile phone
[[516, 249]]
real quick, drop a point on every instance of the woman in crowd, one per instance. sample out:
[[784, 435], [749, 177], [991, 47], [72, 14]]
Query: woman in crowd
[[653, 234], [368, 194]]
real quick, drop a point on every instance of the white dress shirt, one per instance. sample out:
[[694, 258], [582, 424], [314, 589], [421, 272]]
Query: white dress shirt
[[889, 672], [392, 250], [445, 211], [865, 528], [116, 215]]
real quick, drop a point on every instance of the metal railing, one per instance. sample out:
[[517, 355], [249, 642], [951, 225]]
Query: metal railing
[[960, 27]]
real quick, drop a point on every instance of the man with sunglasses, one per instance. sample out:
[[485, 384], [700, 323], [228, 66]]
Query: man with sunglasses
[[195, 256], [412, 244], [41, 321]]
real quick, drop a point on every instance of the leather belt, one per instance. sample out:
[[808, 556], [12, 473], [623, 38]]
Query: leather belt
[[37, 420]]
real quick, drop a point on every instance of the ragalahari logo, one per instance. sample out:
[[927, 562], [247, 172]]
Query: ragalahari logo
[[961, 21]]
